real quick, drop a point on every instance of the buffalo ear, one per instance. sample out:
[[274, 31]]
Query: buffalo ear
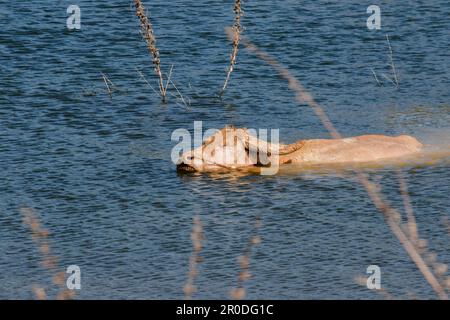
[[241, 135], [252, 149]]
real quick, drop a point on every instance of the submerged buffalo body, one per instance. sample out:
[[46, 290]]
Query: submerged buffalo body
[[234, 148]]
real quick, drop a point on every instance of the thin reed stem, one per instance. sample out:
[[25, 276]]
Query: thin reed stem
[[237, 30], [373, 190]]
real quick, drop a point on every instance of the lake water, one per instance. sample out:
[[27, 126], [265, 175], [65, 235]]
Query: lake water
[[97, 169]]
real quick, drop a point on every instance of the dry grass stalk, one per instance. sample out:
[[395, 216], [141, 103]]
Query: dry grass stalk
[[40, 236], [411, 224], [375, 76], [244, 263], [391, 217], [146, 81], [147, 33], [110, 87], [388, 79], [108, 83], [391, 61], [412, 232], [196, 237], [39, 293], [421, 244], [301, 93], [237, 30], [390, 214], [391, 64], [178, 97]]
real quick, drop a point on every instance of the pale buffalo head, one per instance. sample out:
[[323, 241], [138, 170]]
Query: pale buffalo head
[[230, 149]]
